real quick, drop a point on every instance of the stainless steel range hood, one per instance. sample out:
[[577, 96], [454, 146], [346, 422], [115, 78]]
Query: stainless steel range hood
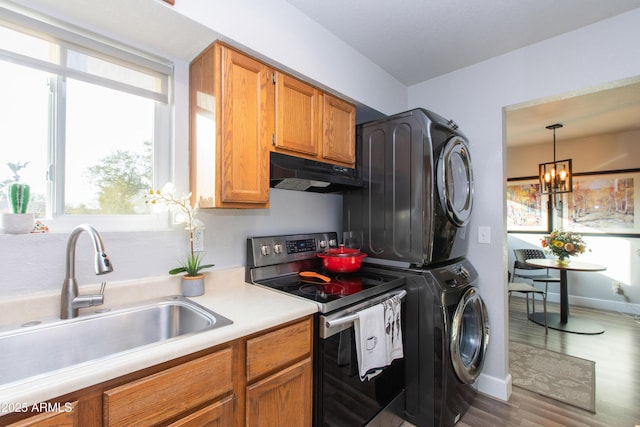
[[294, 173]]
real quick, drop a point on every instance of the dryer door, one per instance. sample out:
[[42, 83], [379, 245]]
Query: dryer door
[[455, 180], [469, 336]]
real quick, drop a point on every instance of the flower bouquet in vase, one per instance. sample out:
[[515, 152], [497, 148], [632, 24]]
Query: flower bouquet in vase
[[563, 244]]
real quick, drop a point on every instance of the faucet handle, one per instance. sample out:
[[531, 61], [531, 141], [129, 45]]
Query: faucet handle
[[102, 286]]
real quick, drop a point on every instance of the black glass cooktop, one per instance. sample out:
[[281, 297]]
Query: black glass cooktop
[[341, 290]]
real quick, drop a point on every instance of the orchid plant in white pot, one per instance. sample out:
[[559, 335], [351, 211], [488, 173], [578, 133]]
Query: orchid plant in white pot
[[193, 280]]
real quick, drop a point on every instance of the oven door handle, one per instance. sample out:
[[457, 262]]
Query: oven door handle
[[340, 321]]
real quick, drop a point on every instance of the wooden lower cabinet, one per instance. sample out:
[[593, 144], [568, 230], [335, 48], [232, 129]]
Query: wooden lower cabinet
[[66, 416], [283, 399], [261, 380], [218, 414], [169, 393], [280, 376]]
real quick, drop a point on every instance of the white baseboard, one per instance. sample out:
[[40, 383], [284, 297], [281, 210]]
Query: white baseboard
[[600, 304], [500, 388]]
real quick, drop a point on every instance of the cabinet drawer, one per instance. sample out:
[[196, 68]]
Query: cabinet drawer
[[170, 392], [67, 418], [277, 349]]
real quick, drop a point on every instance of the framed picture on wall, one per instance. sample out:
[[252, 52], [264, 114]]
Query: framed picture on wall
[[604, 202], [526, 206]]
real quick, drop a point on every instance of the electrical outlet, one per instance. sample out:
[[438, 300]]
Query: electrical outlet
[[198, 240]]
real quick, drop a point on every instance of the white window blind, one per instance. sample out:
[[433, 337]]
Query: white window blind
[[38, 44]]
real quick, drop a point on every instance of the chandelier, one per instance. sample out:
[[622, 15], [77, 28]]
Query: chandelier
[[557, 176]]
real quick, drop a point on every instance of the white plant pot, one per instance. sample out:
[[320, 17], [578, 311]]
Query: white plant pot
[[16, 223], [192, 286]]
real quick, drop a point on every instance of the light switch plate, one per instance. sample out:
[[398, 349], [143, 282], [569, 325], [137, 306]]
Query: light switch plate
[[484, 234]]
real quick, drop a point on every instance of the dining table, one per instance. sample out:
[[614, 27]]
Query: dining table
[[563, 321]]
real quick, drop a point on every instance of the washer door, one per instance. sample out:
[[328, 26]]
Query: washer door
[[469, 336], [455, 181]]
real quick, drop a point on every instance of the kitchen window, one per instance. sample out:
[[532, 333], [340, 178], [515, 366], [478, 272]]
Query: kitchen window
[[84, 122]]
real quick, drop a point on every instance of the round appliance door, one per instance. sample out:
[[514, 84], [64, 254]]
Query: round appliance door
[[455, 181], [469, 336]]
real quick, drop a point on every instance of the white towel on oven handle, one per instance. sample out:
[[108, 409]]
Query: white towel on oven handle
[[371, 341], [393, 327]]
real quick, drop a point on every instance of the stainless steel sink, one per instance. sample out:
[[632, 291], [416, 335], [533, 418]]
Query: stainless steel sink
[[39, 348]]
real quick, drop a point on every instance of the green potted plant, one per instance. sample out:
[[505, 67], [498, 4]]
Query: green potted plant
[[18, 221], [193, 280]]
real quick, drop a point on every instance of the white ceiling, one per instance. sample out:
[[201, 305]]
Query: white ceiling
[[418, 40], [413, 40]]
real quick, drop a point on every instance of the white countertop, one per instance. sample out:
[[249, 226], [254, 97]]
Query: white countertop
[[250, 307]]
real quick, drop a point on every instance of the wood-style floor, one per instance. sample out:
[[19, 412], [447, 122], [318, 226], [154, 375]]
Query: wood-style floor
[[617, 356]]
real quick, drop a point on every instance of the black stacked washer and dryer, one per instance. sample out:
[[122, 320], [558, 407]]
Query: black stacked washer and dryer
[[414, 213]]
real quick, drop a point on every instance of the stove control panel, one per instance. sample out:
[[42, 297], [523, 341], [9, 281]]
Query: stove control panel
[[270, 250]]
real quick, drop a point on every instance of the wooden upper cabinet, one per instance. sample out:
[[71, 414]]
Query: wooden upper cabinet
[[339, 131], [240, 109], [298, 116], [313, 124], [232, 123]]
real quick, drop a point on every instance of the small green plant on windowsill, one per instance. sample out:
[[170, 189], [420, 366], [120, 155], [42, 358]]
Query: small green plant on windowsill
[[18, 195], [18, 221]]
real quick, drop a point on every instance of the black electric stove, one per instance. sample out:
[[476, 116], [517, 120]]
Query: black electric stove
[[339, 397], [277, 261]]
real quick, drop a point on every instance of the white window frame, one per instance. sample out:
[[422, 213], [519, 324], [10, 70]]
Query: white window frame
[[56, 221]]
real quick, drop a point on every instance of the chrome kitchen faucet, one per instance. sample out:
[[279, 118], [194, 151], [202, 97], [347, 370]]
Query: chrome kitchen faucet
[[70, 300]]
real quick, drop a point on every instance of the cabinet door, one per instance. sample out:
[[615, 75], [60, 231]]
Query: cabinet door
[[246, 128], [283, 399], [297, 116], [232, 121], [218, 414], [339, 137]]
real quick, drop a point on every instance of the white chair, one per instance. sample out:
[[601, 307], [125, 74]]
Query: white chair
[[528, 289]]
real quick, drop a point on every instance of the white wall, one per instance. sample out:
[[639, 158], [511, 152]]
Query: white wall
[[278, 32], [36, 262], [592, 154], [475, 97]]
